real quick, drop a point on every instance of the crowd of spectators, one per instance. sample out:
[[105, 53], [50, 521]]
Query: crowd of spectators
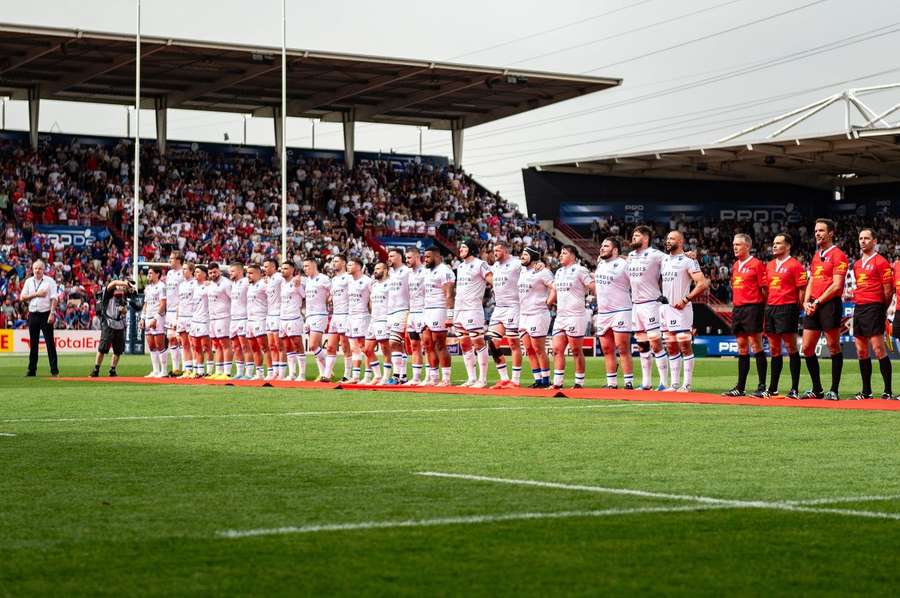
[[222, 207]]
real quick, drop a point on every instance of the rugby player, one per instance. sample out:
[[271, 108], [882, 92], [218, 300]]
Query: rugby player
[[257, 315], [439, 299], [571, 284], [679, 273], [644, 263], [872, 293], [237, 328], [379, 335], [185, 315], [290, 325], [787, 281], [534, 314], [398, 312], [613, 319], [416, 324], [823, 307], [174, 277], [317, 290], [219, 294], [749, 292], [200, 344], [504, 322], [277, 356], [153, 322], [472, 277], [359, 318], [338, 325]]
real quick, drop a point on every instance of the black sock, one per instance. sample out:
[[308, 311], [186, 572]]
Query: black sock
[[743, 371], [837, 365], [884, 364], [777, 364], [795, 370], [865, 371], [761, 367], [812, 364]]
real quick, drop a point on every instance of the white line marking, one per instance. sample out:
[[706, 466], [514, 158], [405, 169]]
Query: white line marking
[[708, 500], [366, 525], [842, 499], [6, 434], [338, 412]]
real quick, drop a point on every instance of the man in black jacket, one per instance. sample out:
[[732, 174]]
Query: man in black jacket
[[112, 311]]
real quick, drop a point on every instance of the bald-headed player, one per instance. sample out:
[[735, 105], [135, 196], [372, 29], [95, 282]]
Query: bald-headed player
[[679, 273]]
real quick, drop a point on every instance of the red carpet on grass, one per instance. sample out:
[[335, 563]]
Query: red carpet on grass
[[600, 394]]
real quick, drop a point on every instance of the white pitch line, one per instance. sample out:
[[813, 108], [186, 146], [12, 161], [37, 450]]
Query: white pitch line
[[337, 412], [842, 499], [6, 434], [366, 525], [708, 500]]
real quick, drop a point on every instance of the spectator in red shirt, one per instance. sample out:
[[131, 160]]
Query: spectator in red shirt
[[823, 308], [748, 285], [787, 280], [872, 293]]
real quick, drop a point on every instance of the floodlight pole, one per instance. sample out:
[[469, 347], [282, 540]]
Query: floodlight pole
[[136, 184], [284, 256]]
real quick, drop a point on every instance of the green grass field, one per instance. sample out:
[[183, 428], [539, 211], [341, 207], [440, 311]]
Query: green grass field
[[118, 489]]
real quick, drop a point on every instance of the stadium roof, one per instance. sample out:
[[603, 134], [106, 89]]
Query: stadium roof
[[83, 66], [860, 157]]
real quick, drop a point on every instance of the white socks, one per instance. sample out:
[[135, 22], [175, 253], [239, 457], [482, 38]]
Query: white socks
[[469, 361], [482, 355], [688, 369]]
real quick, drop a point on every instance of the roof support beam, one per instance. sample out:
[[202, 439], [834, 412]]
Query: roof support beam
[[84, 76], [18, 61], [349, 121], [177, 99], [327, 98], [34, 113], [456, 135], [416, 98], [162, 124]]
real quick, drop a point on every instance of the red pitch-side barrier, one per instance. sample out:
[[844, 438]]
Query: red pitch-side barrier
[[597, 394]]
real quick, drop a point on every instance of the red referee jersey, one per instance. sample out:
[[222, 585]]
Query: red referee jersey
[[787, 280], [825, 265], [747, 277], [870, 275]]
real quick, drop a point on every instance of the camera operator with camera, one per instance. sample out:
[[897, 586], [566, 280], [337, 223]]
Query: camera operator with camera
[[112, 312]]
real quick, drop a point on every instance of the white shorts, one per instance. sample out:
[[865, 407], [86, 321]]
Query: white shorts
[[378, 331], [199, 329], [358, 326], [435, 319], [237, 327], [677, 320], [398, 322], [471, 320], [338, 324], [317, 324], [508, 316], [256, 328], [416, 322], [536, 326], [159, 326], [290, 328], [184, 324], [645, 316], [572, 326], [273, 324], [171, 321], [617, 321], [220, 328]]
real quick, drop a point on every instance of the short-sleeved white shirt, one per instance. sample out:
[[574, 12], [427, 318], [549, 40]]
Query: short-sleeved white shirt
[[676, 274], [534, 288], [505, 282], [643, 271], [572, 284], [470, 284], [435, 280], [317, 290], [358, 292], [239, 298], [613, 285]]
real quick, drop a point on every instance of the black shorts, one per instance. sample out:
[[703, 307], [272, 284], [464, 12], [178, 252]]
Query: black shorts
[[826, 317], [782, 319], [868, 319], [111, 338], [747, 319]]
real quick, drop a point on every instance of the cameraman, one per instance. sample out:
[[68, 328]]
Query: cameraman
[[112, 313]]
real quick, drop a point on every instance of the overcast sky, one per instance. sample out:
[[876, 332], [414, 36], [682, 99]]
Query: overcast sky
[[693, 70]]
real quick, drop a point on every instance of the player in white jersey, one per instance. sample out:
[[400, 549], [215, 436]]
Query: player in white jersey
[[201, 346], [257, 312], [337, 326], [472, 277], [219, 294], [613, 320], [534, 314], [184, 316], [416, 312], [290, 328], [317, 290], [379, 330], [174, 277], [679, 273], [439, 282], [398, 312], [571, 284], [153, 321], [277, 356], [358, 319], [505, 273], [238, 323], [644, 263]]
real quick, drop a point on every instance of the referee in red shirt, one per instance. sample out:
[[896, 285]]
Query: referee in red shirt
[[872, 294], [749, 290], [787, 279], [823, 308]]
